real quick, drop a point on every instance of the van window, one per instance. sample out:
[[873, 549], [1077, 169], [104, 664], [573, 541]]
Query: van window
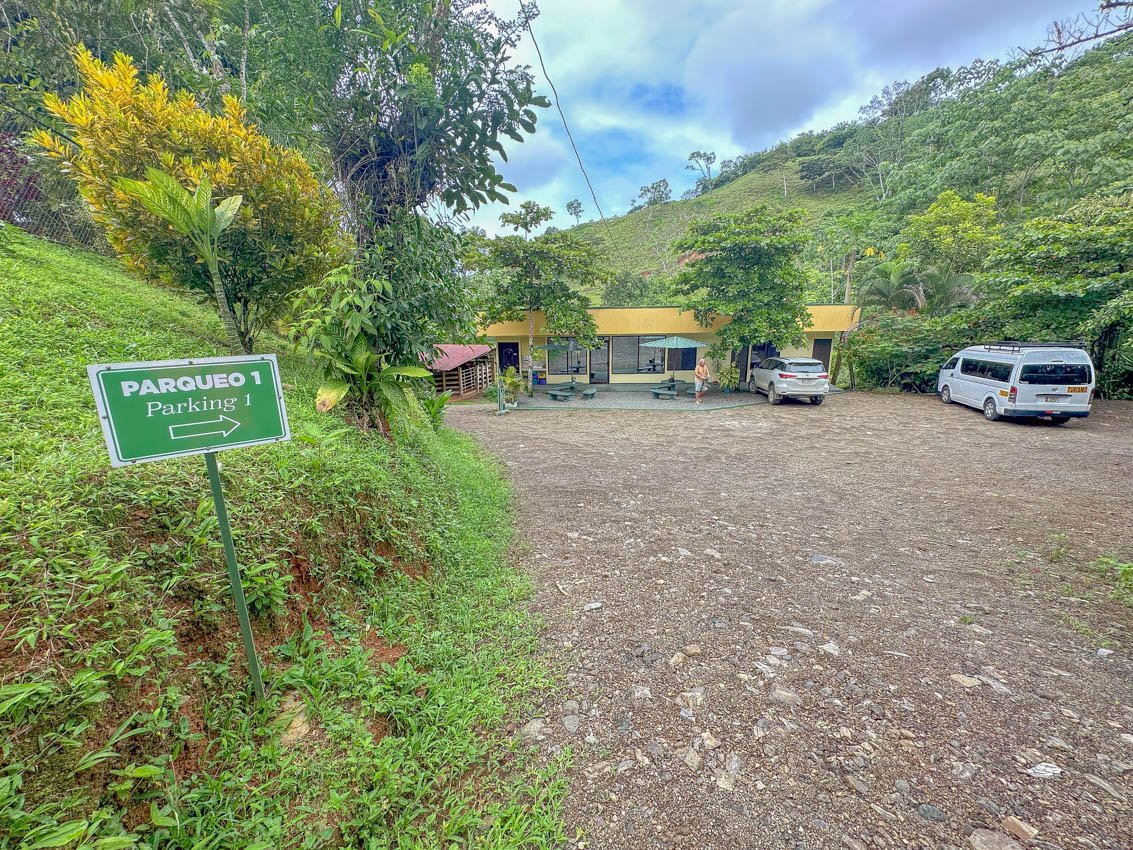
[[951, 364], [1054, 373], [989, 369]]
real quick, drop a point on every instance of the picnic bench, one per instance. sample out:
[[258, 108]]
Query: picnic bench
[[589, 393], [663, 392], [561, 395]]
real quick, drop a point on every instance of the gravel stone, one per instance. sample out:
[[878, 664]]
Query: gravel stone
[[1020, 829], [930, 812], [870, 495], [985, 839]]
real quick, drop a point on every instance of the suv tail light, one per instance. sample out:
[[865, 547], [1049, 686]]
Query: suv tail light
[[1012, 395], [824, 375], [787, 375]]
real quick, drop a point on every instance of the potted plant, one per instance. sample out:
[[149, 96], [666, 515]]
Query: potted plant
[[729, 377]]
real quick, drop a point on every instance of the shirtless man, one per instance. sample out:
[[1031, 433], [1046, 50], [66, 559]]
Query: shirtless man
[[701, 379]]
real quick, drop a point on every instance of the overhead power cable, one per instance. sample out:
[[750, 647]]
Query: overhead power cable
[[573, 146]]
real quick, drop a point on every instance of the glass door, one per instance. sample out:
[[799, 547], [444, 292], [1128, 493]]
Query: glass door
[[600, 362]]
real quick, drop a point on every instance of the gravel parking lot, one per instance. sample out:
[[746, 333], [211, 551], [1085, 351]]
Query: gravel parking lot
[[870, 624]]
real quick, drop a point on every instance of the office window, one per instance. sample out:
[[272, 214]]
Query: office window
[[631, 357], [563, 360], [682, 359]]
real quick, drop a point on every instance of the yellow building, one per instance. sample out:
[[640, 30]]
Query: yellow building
[[622, 359]]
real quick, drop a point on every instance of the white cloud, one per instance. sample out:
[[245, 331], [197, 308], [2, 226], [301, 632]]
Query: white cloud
[[644, 83]]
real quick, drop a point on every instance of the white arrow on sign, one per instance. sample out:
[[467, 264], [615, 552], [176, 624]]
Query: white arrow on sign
[[203, 429]]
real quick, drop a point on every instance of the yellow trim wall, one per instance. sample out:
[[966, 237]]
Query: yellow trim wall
[[827, 321]]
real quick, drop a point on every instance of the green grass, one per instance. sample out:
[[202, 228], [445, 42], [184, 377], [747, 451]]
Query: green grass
[[1119, 575], [125, 715], [641, 241]]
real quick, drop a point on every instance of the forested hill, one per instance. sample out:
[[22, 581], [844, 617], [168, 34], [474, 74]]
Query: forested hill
[[1035, 136]]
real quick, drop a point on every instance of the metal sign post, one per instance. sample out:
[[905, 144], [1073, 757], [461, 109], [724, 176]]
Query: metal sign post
[[234, 574], [174, 408]]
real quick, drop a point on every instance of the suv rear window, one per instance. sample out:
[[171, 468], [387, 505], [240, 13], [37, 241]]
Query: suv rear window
[[1054, 373], [806, 368]]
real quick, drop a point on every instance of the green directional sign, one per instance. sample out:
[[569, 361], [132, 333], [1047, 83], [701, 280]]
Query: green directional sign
[[172, 408]]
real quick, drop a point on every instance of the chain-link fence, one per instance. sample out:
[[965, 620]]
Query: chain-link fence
[[37, 197]]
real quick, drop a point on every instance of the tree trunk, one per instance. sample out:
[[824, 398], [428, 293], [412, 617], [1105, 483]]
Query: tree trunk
[[850, 259], [235, 341], [838, 357], [530, 353]]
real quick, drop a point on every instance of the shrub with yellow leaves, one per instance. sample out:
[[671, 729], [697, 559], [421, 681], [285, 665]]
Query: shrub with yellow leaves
[[286, 234]]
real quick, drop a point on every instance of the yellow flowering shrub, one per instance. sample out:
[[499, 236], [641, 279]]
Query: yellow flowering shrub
[[286, 234]]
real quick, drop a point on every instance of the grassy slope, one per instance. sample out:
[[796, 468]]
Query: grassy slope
[[640, 241], [123, 703]]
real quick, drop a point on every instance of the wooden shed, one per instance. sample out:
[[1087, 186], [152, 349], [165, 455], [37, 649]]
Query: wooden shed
[[465, 370]]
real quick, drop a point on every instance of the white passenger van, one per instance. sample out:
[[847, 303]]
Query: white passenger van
[[1051, 380]]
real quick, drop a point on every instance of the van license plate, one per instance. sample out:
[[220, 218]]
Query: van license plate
[[1075, 389], [1054, 397]]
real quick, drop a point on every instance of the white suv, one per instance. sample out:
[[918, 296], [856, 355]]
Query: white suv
[[791, 377]]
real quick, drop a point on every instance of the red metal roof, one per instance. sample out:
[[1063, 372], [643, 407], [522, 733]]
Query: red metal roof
[[452, 356]]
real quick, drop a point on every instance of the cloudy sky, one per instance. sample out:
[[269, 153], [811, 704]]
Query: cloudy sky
[[644, 82]]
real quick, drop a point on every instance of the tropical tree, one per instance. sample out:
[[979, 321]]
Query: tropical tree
[[416, 102], [900, 286], [527, 218], [747, 267], [701, 161], [574, 208], [953, 235], [937, 291], [889, 286], [194, 217], [539, 276], [656, 193]]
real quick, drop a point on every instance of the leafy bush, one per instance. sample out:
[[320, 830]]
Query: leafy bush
[[512, 383], [905, 352], [337, 324], [728, 376], [435, 406], [265, 588], [284, 237]]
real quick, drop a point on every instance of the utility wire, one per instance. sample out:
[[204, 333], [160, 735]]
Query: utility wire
[[574, 147]]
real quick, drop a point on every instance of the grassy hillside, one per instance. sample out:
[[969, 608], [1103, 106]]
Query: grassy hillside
[[1038, 137], [387, 618], [641, 241]]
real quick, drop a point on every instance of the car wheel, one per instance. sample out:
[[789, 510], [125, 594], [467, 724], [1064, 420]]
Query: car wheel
[[773, 394], [991, 413], [946, 394], [1060, 420], [817, 399]]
